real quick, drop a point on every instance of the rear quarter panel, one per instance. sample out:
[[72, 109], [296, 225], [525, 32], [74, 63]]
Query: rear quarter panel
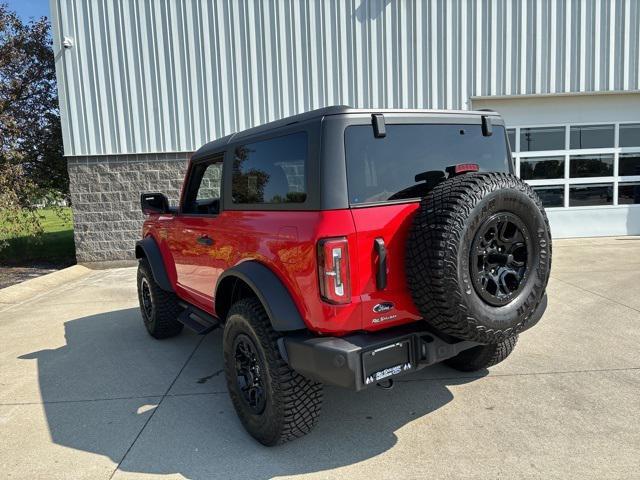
[[286, 242], [392, 224]]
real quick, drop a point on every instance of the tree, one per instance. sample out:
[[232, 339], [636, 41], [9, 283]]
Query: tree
[[32, 165], [30, 132]]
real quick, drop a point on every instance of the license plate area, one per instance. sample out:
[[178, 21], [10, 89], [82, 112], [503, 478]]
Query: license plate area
[[386, 361]]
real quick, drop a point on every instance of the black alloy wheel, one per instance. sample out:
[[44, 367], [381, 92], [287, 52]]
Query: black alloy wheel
[[500, 258], [249, 374], [146, 300]]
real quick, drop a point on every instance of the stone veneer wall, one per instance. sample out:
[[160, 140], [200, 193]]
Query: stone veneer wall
[[105, 195]]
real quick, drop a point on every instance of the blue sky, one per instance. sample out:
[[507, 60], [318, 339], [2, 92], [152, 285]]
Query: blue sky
[[29, 8]]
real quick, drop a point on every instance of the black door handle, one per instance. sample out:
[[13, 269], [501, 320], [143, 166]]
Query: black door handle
[[381, 274], [205, 240]]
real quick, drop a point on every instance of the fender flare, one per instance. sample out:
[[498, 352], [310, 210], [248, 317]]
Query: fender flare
[[271, 292], [149, 248]]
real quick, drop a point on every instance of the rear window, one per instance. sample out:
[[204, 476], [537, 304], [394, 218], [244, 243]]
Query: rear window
[[385, 169], [271, 171]]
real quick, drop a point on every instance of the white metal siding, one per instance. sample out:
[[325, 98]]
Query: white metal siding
[[169, 75]]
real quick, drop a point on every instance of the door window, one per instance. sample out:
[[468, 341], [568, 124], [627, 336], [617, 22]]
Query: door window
[[203, 193]]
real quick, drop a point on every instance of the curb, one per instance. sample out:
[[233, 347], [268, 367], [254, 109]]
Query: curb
[[35, 286]]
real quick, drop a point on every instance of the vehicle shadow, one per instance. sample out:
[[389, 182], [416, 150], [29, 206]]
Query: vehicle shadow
[[100, 389]]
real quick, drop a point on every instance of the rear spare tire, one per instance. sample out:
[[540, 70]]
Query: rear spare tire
[[479, 256]]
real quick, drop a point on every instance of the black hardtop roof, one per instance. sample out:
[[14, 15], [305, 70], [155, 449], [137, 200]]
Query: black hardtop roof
[[215, 145]]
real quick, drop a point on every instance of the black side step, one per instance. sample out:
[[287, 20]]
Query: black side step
[[198, 320]]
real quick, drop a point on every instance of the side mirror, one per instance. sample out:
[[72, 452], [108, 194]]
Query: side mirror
[[153, 203]]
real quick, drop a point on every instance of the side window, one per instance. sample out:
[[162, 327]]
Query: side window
[[271, 171], [209, 188], [203, 193]]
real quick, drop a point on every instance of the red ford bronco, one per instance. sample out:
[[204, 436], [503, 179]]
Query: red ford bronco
[[346, 247]]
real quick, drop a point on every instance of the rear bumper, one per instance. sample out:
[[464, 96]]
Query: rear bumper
[[360, 360]]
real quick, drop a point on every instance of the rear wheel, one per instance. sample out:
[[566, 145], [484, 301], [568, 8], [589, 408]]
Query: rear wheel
[[274, 403], [482, 356], [160, 309]]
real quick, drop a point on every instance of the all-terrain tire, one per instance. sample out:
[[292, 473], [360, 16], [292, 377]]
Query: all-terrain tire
[[292, 403], [439, 259], [161, 314], [482, 356]]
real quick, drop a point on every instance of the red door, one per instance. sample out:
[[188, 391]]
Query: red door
[[193, 238]]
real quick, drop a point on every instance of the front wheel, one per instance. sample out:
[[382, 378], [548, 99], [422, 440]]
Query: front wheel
[[159, 309], [274, 403]]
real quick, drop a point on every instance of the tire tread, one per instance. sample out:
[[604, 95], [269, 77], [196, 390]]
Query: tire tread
[[297, 399], [432, 251], [167, 308]]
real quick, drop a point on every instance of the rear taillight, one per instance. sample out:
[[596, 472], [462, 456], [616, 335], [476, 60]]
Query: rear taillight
[[333, 270]]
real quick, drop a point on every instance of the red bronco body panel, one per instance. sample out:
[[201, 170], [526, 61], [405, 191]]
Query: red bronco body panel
[[286, 242]]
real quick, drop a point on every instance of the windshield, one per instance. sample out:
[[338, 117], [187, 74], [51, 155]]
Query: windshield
[[385, 169]]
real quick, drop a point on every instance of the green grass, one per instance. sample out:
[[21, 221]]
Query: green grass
[[55, 245]]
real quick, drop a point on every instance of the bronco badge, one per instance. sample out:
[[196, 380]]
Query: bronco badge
[[383, 307]]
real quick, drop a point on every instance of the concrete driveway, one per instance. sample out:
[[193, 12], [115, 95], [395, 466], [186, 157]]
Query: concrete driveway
[[86, 393]]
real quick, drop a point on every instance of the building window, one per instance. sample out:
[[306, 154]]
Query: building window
[[543, 138], [551, 196], [629, 164], [541, 168], [581, 166], [590, 195], [629, 193], [630, 135], [271, 171], [592, 136]]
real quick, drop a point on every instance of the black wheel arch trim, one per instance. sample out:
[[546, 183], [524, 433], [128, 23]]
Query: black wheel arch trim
[[149, 248], [271, 292]]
